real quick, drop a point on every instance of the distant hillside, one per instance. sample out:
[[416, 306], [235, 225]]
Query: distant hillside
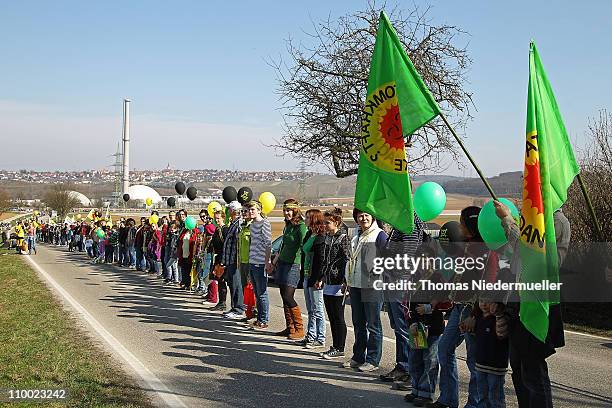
[[505, 184], [437, 178]]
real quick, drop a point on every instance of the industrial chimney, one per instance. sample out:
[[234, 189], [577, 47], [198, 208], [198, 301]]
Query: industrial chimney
[[125, 179]]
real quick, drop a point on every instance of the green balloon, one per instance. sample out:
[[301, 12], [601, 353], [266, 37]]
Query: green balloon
[[190, 223], [100, 233], [489, 225], [429, 200]]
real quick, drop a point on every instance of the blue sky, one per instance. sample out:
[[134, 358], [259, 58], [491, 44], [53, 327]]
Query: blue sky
[[197, 74]]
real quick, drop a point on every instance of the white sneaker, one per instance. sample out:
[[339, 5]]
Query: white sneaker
[[314, 345], [367, 367], [233, 316], [351, 364]]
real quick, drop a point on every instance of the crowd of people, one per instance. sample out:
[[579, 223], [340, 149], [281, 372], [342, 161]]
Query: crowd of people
[[230, 252]]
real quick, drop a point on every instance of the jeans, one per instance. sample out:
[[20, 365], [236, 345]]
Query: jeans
[[140, 261], [530, 377], [130, 260], [173, 271], [167, 272], [315, 329], [162, 260], [259, 278], [204, 272], [368, 328], [449, 377], [155, 265], [235, 283], [398, 324], [424, 368], [491, 389], [31, 245], [121, 254]]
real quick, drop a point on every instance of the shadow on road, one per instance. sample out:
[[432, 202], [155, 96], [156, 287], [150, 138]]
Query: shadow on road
[[225, 361]]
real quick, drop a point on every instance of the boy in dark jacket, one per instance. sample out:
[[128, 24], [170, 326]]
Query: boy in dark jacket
[[491, 356]]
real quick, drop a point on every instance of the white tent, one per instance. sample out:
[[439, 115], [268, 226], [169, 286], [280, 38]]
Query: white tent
[[141, 192], [82, 198]]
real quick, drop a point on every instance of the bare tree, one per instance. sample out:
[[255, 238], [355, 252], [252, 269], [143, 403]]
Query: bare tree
[[60, 200], [5, 201], [322, 88], [596, 169]]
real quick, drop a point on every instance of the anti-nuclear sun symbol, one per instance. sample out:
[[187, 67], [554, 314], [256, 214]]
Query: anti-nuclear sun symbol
[[391, 128]]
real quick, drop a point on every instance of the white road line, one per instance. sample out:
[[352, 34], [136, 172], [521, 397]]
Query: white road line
[[588, 335], [150, 379]]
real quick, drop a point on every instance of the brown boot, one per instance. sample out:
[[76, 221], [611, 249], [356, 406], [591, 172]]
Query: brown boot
[[296, 315], [289, 322]]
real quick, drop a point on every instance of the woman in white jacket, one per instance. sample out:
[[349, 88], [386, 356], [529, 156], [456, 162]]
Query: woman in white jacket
[[366, 303]]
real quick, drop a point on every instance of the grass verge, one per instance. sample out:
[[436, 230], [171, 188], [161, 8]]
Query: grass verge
[[43, 348]]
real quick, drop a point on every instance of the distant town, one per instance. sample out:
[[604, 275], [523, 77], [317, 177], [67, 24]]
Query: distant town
[[164, 177]]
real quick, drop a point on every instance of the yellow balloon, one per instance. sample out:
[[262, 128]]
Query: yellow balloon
[[149, 202], [153, 219], [78, 216], [36, 212], [213, 207], [268, 201]]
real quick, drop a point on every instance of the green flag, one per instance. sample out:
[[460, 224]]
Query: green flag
[[550, 167], [398, 103]]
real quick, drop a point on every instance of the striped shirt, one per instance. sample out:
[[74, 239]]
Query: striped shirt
[[261, 241], [403, 243], [400, 243]]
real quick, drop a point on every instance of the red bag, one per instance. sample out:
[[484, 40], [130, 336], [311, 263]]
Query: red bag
[[249, 300]]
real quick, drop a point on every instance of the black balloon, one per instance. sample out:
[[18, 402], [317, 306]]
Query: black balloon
[[192, 193], [229, 194], [126, 197], [171, 201], [245, 194], [180, 188], [451, 238]]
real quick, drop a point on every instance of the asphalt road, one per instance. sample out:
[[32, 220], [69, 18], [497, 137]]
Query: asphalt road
[[185, 355]]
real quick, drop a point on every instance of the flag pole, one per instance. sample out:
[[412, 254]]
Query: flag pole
[[469, 156], [587, 198]]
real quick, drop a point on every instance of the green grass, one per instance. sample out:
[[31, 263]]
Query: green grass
[[42, 347], [592, 318], [588, 330]]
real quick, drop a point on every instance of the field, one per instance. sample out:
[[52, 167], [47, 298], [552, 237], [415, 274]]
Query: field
[[7, 215]]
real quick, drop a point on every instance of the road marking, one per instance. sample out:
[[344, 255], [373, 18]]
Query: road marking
[[151, 380], [588, 335]]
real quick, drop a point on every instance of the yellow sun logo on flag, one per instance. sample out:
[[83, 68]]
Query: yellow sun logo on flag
[[382, 139], [532, 224]]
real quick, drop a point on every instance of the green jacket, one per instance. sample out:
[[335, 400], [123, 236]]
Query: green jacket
[[293, 236]]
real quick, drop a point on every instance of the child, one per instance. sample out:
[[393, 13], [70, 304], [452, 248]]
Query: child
[[89, 247], [172, 263], [424, 312], [491, 356]]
